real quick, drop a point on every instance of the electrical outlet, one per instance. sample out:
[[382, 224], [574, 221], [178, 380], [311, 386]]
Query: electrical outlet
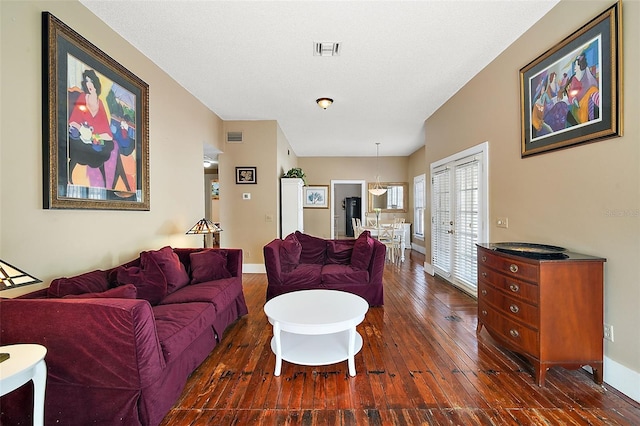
[[608, 332]]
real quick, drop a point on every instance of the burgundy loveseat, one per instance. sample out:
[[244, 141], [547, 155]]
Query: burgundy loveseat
[[121, 343], [305, 262]]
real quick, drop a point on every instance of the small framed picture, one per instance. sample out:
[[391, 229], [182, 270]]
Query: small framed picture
[[246, 175], [316, 197]]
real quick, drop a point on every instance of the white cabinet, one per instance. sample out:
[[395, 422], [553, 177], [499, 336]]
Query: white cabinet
[[291, 193]]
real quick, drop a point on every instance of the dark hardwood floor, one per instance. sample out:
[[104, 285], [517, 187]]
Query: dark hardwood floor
[[421, 364]]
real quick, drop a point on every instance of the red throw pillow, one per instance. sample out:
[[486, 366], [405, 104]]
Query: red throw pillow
[[290, 250], [127, 291], [90, 282], [174, 271], [208, 265], [314, 249], [362, 251], [148, 279]]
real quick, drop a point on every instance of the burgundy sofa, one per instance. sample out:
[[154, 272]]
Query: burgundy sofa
[[305, 262], [121, 343]]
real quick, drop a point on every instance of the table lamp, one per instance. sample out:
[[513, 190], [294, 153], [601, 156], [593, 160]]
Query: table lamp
[[204, 226], [12, 277]]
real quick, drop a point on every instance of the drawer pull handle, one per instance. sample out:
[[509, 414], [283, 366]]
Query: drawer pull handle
[[513, 268], [514, 333], [514, 309], [514, 288], [484, 292], [484, 274], [484, 258], [484, 312]]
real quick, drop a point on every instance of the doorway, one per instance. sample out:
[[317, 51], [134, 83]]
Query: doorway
[[459, 211], [341, 189]]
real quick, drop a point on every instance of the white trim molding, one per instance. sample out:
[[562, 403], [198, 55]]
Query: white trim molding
[[254, 268]]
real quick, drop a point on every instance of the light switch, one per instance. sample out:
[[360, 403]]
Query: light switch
[[246, 195], [502, 222]]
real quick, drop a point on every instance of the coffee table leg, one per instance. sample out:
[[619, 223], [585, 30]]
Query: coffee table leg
[[276, 336], [39, 384], [352, 345]]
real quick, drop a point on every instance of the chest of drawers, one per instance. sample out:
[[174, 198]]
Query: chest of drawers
[[548, 310]]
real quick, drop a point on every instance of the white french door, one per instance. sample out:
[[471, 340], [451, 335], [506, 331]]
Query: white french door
[[458, 216]]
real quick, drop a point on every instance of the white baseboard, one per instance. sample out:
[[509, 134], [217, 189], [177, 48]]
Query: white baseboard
[[428, 268], [622, 378], [419, 249], [253, 268]]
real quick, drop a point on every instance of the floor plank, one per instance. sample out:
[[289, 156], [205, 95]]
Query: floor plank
[[421, 363]]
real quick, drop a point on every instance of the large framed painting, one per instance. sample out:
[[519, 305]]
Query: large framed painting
[[572, 94], [95, 126]]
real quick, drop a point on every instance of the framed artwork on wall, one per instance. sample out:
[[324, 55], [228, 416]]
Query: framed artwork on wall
[[315, 197], [246, 175], [215, 189], [95, 126], [572, 94]]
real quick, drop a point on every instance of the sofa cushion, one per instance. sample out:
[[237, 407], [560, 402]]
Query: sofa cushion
[[314, 249], [339, 252], [305, 274], [179, 325], [90, 282], [173, 269], [290, 250], [148, 279], [362, 251], [220, 292], [344, 274], [208, 265], [127, 291]]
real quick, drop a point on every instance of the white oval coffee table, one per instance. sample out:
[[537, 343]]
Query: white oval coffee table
[[316, 327]]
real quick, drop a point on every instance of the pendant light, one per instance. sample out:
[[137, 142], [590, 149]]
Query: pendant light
[[377, 189]]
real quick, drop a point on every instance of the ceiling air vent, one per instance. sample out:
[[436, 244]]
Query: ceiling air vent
[[234, 137], [326, 48]]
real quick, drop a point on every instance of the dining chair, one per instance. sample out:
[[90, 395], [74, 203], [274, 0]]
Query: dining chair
[[391, 237]]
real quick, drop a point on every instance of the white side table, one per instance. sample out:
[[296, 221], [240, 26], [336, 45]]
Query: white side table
[[26, 363]]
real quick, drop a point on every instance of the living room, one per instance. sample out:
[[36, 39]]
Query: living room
[[586, 198]]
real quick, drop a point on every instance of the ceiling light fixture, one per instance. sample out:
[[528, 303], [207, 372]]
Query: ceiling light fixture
[[324, 103], [377, 189]]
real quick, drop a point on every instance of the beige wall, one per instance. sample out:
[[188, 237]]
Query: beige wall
[[321, 170], [53, 243], [585, 198], [249, 224], [417, 166]]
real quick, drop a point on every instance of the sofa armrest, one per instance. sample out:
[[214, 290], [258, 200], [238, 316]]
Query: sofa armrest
[[376, 266], [272, 262], [106, 343]]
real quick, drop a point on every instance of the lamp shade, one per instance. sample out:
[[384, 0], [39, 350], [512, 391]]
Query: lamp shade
[[11, 277], [204, 226], [377, 189]]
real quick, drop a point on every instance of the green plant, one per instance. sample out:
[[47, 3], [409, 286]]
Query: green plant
[[296, 172]]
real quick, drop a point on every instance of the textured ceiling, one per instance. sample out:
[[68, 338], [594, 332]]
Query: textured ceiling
[[253, 60]]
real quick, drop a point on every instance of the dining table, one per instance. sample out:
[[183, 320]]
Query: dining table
[[375, 231]]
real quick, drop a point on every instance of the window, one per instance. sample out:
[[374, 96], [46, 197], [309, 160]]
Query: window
[[419, 195]]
